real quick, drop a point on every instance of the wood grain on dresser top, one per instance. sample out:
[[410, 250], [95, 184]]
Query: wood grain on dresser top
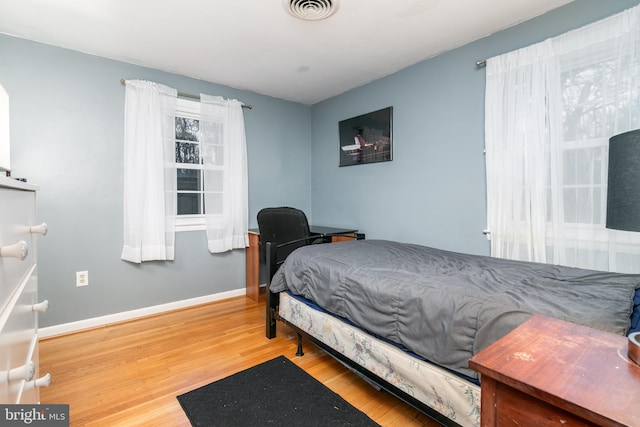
[[580, 370]]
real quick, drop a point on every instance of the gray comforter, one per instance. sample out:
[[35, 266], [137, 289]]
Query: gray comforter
[[447, 306]]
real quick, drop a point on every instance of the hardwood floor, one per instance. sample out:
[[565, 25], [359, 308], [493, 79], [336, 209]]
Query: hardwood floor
[[129, 374]]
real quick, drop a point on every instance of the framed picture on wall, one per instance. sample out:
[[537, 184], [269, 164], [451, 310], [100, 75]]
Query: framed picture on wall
[[366, 138]]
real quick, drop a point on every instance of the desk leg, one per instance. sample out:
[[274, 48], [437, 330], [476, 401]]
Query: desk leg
[[253, 268]]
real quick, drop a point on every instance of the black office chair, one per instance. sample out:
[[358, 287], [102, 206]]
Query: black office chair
[[282, 225]]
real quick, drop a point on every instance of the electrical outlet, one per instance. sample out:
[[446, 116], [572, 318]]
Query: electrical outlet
[[82, 278]]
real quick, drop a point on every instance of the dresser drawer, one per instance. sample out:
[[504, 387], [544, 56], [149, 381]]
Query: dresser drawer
[[18, 335], [19, 381], [29, 391], [23, 390], [17, 215]]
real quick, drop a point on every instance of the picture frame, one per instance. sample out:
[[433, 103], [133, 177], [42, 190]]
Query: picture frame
[[367, 138]]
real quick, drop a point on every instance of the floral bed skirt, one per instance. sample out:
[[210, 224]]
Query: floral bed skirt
[[453, 397]]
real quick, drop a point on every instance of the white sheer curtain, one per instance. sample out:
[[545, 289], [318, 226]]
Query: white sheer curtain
[[517, 139], [149, 172], [550, 111], [225, 173]]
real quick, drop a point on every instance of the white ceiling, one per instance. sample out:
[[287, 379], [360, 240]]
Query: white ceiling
[[256, 45]]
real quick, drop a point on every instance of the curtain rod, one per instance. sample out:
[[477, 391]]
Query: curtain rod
[[192, 96], [481, 64]]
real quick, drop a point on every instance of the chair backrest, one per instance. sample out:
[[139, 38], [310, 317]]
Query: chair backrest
[[282, 225]]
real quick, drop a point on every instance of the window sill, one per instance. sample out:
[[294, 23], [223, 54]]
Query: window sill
[[191, 223]]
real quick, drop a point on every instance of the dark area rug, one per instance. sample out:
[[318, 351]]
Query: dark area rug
[[274, 393]]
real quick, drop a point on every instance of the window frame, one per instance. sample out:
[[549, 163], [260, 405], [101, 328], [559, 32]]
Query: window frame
[[190, 109], [594, 234], [598, 140]]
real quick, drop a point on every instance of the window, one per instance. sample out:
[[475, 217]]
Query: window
[[547, 175], [189, 167], [185, 169], [594, 106]]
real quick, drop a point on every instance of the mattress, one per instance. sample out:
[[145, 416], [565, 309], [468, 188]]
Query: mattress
[[447, 306], [436, 387]]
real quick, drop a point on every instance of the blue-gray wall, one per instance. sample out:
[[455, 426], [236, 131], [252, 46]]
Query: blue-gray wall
[[433, 192], [67, 111], [66, 133]]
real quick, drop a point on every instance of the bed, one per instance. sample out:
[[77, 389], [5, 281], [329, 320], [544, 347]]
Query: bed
[[408, 317]]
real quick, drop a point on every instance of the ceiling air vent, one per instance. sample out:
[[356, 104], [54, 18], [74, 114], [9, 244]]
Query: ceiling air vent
[[311, 10]]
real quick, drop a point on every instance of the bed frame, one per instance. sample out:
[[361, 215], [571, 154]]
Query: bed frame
[[272, 304]]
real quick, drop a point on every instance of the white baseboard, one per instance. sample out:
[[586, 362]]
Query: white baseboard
[[94, 322]]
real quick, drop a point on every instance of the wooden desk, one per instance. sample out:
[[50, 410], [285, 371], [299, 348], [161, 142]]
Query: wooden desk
[[253, 254], [548, 372]]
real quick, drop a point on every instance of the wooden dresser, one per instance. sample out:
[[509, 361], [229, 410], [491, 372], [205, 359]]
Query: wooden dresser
[[548, 372], [19, 307]]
